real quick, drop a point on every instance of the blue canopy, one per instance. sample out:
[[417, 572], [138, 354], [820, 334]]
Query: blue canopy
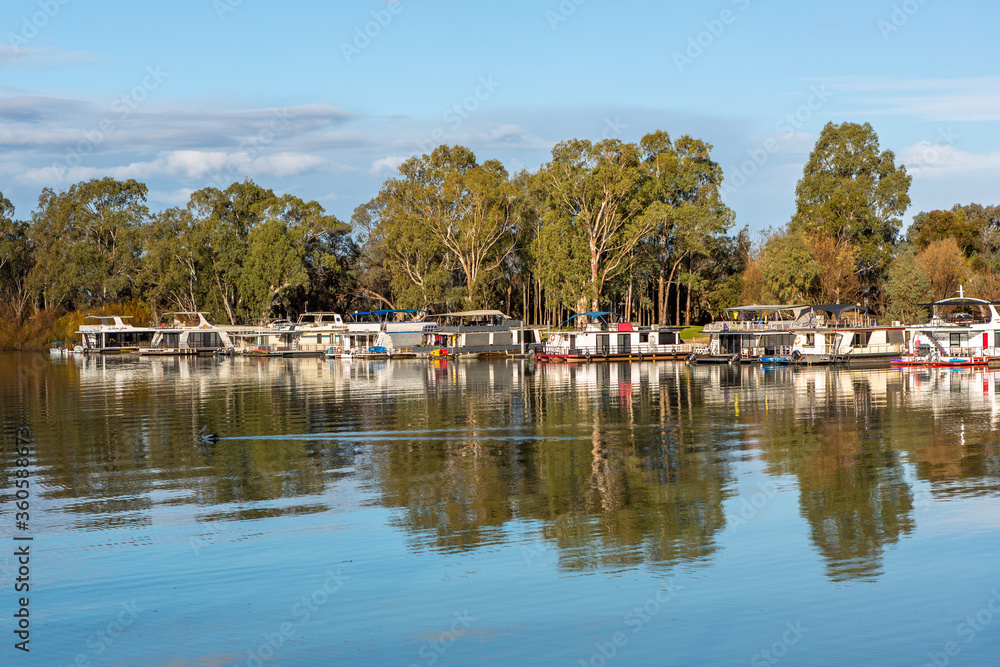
[[595, 315], [409, 311]]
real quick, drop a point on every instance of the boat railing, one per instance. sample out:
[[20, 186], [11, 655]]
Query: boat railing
[[891, 348], [642, 348], [751, 325], [753, 352]]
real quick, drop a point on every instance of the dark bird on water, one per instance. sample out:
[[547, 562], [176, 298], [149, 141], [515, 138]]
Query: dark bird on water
[[206, 436]]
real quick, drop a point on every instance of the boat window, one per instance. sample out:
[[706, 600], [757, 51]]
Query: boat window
[[810, 340], [667, 338]]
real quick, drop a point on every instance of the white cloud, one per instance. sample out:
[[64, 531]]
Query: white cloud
[[934, 159], [961, 99], [183, 165], [390, 163], [42, 57]]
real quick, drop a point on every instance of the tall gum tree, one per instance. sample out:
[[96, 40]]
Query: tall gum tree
[[86, 242], [853, 191], [682, 187], [593, 194], [16, 260]]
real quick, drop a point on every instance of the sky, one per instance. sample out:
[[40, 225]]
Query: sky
[[324, 100]]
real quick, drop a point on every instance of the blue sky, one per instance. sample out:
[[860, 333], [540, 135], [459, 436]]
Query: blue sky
[[325, 99]]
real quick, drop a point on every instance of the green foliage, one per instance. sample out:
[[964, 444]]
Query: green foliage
[[459, 212], [273, 266], [908, 286], [592, 194], [86, 242], [16, 260], [937, 225], [790, 273], [852, 191]]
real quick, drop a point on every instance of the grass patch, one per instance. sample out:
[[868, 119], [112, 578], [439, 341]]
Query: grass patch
[[692, 332]]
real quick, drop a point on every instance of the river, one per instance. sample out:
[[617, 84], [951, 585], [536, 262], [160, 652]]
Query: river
[[458, 513]]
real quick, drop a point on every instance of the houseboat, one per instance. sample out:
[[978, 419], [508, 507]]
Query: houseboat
[[188, 333], [962, 331], [846, 333], [381, 334], [112, 334], [310, 335], [604, 340], [752, 333], [478, 333]]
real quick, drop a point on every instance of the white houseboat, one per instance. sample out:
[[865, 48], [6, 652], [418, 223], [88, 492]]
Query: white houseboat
[[752, 333], [846, 333], [188, 333], [603, 340], [478, 333], [962, 331], [310, 335], [381, 334], [112, 334]]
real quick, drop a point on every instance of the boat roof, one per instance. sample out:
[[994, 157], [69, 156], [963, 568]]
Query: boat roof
[[962, 301], [474, 313], [595, 315], [838, 309], [406, 311], [771, 308]]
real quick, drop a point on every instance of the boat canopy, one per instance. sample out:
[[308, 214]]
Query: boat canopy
[[475, 313], [595, 315], [838, 309], [760, 310], [961, 301], [385, 314]]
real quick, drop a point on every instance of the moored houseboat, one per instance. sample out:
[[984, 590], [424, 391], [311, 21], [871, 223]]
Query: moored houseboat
[[604, 340], [962, 331], [750, 333], [478, 333], [188, 333], [112, 334], [381, 334], [846, 334]]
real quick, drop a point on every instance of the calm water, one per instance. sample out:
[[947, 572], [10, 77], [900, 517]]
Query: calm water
[[433, 513]]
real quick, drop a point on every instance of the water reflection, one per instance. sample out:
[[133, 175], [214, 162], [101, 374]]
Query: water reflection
[[613, 465]]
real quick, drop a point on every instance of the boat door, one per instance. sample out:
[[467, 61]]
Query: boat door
[[624, 343], [603, 343]]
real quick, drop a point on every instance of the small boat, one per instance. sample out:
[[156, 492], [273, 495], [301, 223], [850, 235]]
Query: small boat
[[703, 356]]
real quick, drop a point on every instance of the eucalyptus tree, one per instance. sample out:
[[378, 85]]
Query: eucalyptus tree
[[445, 212], [173, 258], [682, 186], [853, 191], [327, 252], [86, 240], [225, 218], [403, 264], [16, 260], [592, 218]]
